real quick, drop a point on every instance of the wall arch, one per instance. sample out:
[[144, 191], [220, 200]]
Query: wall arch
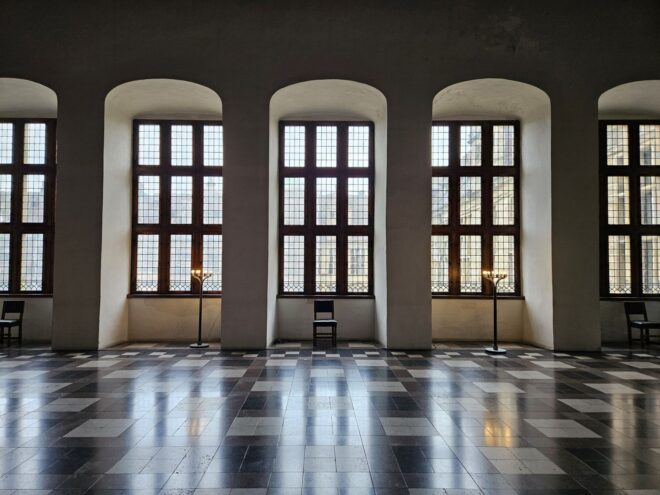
[[528, 320], [22, 98], [329, 99], [141, 319], [637, 100]]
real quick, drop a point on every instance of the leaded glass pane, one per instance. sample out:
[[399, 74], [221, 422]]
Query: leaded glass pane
[[182, 145], [294, 201], [326, 146], [148, 144], [440, 146], [34, 197], [617, 145], [358, 263], [294, 146], [212, 261], [358, 201], [504, 206], [440, 263], [649, 145], [439, 200], [213, 200], [470, 146], [358, 146], [326, 263], [148, 199], [181, 200], [618, 201], [34, 147], [649, 195], [32, 262], [146, 273], [470, 253], [293, 263], [180, 262], [213, 146], [6, 143], [470, 196], [503, 145], [618, 255], [326, 201], [504, 261]]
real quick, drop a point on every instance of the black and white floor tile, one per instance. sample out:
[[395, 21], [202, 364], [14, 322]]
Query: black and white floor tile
[[293, 420]]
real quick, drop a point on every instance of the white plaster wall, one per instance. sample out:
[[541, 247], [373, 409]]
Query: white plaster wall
[[472, 319], [530, 320], [172, 319], [142, 319], [37, 319], [329, 99], [354, 318], [20, 98]]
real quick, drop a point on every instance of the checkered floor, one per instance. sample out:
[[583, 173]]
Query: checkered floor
[[355, 419]]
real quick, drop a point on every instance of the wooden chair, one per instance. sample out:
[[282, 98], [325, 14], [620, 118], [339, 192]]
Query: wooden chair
[[12, 308], [319, 324], [644, 326]]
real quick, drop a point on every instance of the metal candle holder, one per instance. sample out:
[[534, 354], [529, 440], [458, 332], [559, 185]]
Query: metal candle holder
[[201, 277], [495, 278]]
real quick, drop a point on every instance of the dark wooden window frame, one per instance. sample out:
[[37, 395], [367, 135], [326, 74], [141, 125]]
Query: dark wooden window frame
[[164, 229], [310, 230], [634, 229], [486, 230], [16, 228]]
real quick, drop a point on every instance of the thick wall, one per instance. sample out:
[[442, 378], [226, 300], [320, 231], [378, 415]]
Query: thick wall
[[355, 318], [472, 319], [172, 319], [245, 52]]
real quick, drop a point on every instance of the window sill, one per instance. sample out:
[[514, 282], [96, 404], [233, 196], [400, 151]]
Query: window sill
[[629, 298], [326, 296], [31, 295], [478, 296], [173, 296]]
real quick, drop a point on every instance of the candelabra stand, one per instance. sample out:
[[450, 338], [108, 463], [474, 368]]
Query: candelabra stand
[[495, 278], [201, 277]]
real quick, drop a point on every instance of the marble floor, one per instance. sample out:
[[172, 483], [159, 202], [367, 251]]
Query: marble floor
[[354, 419]]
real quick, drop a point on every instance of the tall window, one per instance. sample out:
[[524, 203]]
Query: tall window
[[27, 196], [630, 208], [177, 205], [326, 208], [475, 206]]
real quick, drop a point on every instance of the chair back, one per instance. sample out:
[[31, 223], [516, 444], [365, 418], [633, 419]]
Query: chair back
[[635, 308], [13, 308], [324, 306]]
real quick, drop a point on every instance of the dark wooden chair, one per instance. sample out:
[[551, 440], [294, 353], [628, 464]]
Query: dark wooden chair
[[6, 324], [325, 307], [643, 325]]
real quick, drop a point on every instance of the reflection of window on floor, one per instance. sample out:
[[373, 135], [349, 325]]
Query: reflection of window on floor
[[630, 208], [27, 185], [326, 198], [177, 221], [475, 202]]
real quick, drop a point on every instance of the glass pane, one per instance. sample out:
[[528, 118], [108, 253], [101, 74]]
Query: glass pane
[[35, 144], [618, 249], [5, 198], [148, 144], [180, 262], [503, 146], [470, 146], [182, 145], [358, 263], [439, 263], [6, 142], [649, 196], [470, 200], [294, 146], [326, 201], [181, 205], [294, 201], [617, 145], [358, 201], [649, 145], [213, 146], [440, 146], [618, 201], [148, 199], [326, 263], [358, 146], [504, 208], [471, 280], [293, 268], [4, 261], [326, 146], [146, 272], [34, 194], [440, 200], [213, 200], [504, 261], [651, 264], [32, 262], [212, 261]]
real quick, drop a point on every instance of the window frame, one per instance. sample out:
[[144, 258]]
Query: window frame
[[164, 228], [454, 230], [342, 172], [634, 230], [15, 227]]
